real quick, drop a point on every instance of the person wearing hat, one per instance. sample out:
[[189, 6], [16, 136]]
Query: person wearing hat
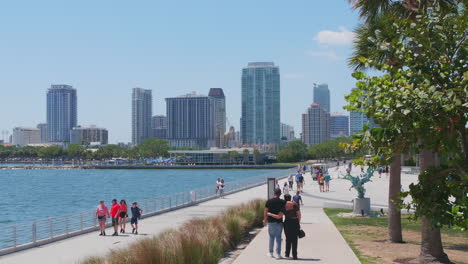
[[274, 205], [114, 212]]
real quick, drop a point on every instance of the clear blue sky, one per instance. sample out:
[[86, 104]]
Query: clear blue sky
[[105, 48]]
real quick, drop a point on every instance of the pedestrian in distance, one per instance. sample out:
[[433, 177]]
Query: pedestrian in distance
[[298, 175], [301, 182], [292, 226], [274, 205], [221, 188], [291, 181], [102, 213], [115, 212], [298, 199], [286, 188], [136, 215], [321, 182], [218, 183], [123, 216], [327, 179]]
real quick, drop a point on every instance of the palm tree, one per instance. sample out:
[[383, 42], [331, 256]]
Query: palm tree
[[377, 14]]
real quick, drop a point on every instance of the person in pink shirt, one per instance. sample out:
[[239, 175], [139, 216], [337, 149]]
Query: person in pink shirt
[[101, 213], [115, 213]]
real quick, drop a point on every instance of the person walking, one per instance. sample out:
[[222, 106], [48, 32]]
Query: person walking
[[298, 199], [123, 216], [291, 181], [301, 182], [298, 175], [114, 212], [218, 183], [102, 212], [274, 205], [136, 214], [291, 225], [321, 182], [286, 188], [327, 179], [221, 188]]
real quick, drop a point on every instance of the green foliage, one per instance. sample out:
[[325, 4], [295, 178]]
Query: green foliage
[[51, 152], [294, 151], [153, 147], [76, 151], [329, 149]]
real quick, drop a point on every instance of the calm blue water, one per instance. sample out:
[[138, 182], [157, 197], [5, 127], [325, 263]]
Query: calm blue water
[[27, 195]]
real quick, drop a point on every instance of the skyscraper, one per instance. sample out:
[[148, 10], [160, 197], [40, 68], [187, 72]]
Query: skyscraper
[[159, 126], [89, 135], [191, 121], [287, 132], [142, 105], [315, 125], [357, 120], [44, 135], [219, 101], [322, 96], [339, 125], [260, 121], [61, 112]]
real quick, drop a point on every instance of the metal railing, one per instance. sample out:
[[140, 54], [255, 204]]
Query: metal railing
[[30, 234]]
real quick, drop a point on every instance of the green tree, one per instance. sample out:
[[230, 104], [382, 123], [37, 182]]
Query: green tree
[[256, 154], [51, 152], [76, 151], [245, 154], [429, 80], [153, 147], [294, 151]]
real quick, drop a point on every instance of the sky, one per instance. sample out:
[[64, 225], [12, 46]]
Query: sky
[[105, 48]]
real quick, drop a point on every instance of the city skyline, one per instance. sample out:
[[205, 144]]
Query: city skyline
[[113, 48]]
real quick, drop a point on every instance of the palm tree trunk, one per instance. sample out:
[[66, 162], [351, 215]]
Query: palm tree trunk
[[394, 213], [431, 241]]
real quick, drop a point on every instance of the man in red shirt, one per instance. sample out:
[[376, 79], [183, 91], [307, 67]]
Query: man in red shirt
[[115, 212]]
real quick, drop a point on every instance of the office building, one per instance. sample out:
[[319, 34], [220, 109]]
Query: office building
[[219, 101], [191, 121], [260, 117], [61, 112], [357, 120], [89, 135], [315, 125], [43, 129], [287, 132], [339, 125], [23, 136], [322, 96], [142, 105], [159, 126]]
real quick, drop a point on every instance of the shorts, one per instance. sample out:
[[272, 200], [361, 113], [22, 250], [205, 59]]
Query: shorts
[[123, 214], [134, 220], [321, 183], [115, 221], [101, 218]]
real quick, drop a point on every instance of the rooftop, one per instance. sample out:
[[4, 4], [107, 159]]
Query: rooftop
[[260, 64]]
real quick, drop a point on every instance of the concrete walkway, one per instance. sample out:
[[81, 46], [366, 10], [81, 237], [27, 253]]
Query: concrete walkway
[[323, 242]]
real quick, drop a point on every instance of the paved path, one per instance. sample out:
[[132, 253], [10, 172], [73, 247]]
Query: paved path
[[323, 242]]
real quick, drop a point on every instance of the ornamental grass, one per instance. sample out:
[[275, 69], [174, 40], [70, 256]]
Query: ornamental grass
[[202, 241]]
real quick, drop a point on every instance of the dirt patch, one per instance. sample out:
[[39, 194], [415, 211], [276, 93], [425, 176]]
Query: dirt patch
[[370, 241]]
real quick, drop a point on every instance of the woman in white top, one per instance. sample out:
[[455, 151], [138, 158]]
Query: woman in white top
[[291, 181], [285, 188]]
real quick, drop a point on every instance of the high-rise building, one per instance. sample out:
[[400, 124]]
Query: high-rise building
[[357, 120], [159, 126], [315, 125], [89, 135], [287, 132], [23, 136], [44, 135], [219, 101], [61, 112], [191, 121], [322, 96], [260, 120], [339, 125], [142, 109]]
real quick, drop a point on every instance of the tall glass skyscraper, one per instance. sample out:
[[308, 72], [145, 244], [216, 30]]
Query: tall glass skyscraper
[[322, 96], [61, 112], [315, 125], [219, 100], [260, 121], [339, 125], [357, 120], [142, 111]]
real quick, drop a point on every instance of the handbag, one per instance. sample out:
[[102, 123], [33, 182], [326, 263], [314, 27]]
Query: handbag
[[301, 233]]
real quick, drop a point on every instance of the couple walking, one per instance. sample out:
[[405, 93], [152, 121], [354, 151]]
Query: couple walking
[[275, 209], [118, 213]]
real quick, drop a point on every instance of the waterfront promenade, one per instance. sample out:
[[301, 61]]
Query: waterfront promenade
[[323, 243]]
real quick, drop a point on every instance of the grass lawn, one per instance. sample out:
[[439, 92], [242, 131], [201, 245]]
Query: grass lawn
[[367, 236]]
